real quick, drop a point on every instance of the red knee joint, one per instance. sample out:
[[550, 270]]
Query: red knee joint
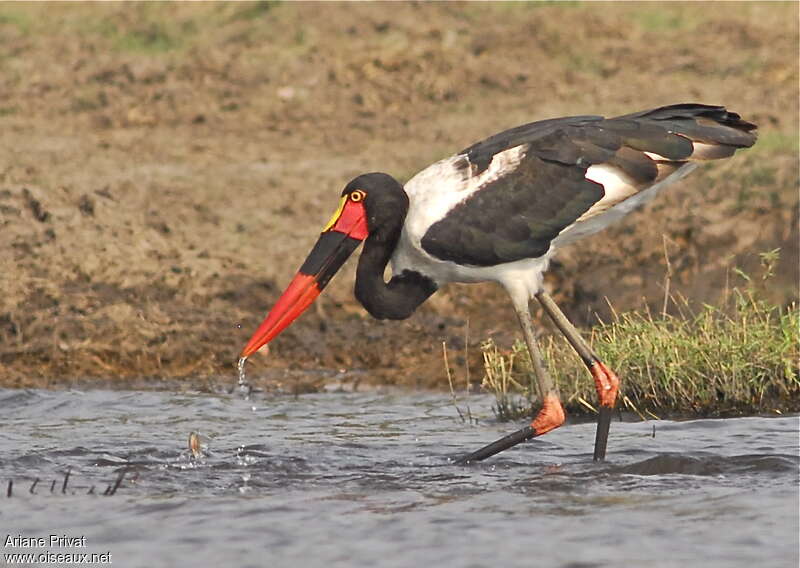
[[551, 415], [606, 383]]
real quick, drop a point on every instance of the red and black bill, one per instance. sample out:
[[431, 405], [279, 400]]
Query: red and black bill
[[338, 240]]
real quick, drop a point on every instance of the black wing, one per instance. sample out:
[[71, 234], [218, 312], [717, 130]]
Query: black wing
[[518, 214]]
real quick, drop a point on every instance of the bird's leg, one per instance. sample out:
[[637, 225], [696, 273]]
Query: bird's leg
[[605, 380], [550, 416]]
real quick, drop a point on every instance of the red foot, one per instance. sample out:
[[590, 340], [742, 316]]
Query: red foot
[[551, 415], [606, 383]]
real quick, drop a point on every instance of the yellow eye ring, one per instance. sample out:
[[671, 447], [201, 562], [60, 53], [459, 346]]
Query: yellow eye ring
[[357, 196]]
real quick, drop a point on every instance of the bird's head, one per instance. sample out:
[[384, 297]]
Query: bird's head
[[369, 205]]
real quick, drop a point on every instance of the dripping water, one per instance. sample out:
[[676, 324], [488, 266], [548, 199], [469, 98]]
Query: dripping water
[[244, 387]]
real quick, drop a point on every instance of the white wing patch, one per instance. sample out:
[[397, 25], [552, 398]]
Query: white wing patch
[[656, 157], [703, 151], [590, 224], [619, 187], [616, 184]]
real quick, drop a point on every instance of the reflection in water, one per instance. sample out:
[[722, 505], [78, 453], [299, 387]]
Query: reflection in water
[[369, 479]]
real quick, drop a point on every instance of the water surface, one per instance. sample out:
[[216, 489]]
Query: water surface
[[367, 480]]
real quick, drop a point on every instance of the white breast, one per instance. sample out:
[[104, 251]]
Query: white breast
[[432, 193]]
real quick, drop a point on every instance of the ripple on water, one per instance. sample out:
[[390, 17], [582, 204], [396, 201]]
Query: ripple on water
[[710, 464], [326, 477]]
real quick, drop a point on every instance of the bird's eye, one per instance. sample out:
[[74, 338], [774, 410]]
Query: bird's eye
[[357, 196]]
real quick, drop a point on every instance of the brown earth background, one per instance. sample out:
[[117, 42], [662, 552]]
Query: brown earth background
[[164, 169]]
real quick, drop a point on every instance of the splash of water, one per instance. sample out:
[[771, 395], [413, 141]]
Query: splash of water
[[244, 386]]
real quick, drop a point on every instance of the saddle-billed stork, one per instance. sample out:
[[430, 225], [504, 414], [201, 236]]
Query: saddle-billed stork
[[498, 211]]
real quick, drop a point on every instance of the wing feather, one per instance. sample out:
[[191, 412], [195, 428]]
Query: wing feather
[[530, 184]]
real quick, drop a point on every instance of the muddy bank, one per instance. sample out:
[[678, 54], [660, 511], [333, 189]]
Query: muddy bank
[[164, 169]]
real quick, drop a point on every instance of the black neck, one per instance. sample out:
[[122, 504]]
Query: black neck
[[398, 298]]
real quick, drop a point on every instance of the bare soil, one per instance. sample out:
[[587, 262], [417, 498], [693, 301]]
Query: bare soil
[[164, 169]]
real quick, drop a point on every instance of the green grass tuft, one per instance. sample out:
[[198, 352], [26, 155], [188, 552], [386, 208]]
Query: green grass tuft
[[659, 19], [776, 142], [151, 37], [737, 357], [254, 10], [14, 18], [143, 28]]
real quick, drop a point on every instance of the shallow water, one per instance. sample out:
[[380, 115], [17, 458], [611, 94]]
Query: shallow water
[[367, 480]]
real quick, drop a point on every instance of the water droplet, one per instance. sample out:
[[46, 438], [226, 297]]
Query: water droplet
[[244, 387]]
